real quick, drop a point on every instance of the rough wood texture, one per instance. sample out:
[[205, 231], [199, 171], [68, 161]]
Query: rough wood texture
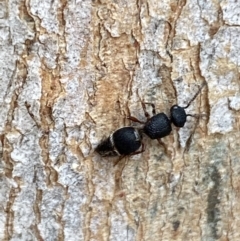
[[71, 71]]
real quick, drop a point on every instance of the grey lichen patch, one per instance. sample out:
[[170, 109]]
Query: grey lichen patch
[[67, 109], [48, 50], [209, 11], [155, 37], [3, 10], [219, 58], [78, 38], [230, 12], [234, 102], [196, 29], [23, 204], [72, 206], [19, 29], [47, 12], [27, 110], [218, 66], [7, 86], [51, 208], [4, 35], [56, 138], [221, 119]]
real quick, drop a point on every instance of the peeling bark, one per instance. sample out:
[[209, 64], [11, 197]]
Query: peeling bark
[[71, 72]]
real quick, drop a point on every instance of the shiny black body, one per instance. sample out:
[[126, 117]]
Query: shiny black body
[[178, 116], [124, 141], [158, 126]]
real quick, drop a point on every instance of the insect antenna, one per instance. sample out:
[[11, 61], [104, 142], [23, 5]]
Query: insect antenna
[[195, 96]]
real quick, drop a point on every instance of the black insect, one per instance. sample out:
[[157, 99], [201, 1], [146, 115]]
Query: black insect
[[124, 141], [128, 140]]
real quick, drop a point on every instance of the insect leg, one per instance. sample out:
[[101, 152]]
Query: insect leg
[[134, 153], [134, 119], [153, 107]]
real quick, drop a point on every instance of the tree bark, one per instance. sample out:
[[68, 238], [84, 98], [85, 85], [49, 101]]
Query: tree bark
[[71, 72]]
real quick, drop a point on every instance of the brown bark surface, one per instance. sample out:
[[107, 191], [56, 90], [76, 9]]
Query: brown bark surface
[[71, 72]]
